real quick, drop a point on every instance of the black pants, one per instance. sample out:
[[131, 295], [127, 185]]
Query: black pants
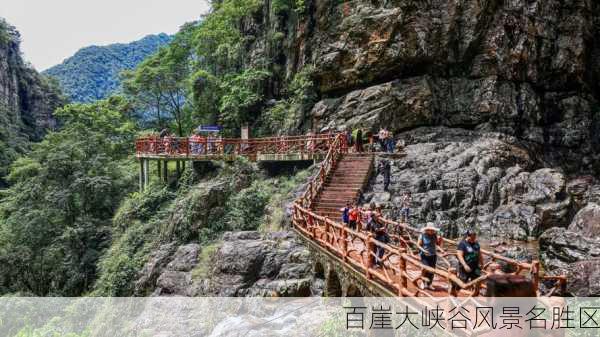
[[386, 181], [470, 276], [429, 261], [352, 224]]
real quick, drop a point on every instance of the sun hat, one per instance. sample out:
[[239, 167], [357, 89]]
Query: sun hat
[[430, 226]]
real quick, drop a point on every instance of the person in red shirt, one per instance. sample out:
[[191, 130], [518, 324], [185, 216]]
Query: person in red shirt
[[354, 216]]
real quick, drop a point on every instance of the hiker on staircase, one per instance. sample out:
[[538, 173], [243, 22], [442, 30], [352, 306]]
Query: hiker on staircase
[[346, 214], [427, 244], [381, 138], [405, 203], [353, 217], [381, 235], [470, 259], [384, 167], [369, 216]]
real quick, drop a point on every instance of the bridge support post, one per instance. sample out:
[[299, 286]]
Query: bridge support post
[[166, 171], [159, 169], [141, 175], [146, 172], [451, 286]]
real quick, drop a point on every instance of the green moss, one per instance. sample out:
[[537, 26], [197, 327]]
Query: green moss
[[202, 269]]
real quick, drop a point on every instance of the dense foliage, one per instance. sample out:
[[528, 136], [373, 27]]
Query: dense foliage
[[93, 72], [213, 73], [232, 198], [71, 222], [55, 218]]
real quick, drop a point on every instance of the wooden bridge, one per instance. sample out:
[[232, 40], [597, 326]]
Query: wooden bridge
[[341, 177], [163, 150]]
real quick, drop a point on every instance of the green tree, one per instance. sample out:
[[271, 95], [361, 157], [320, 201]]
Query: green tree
[[160, 83], [55, 219]]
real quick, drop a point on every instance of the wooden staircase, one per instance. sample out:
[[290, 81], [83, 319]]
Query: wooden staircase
[[349, 176]]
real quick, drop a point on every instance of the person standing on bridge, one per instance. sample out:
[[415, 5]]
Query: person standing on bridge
[[390, 143], [349, 137], [469, 257], [381, 235], [353, 216], [427, 244], [346, 213], [358, 142]]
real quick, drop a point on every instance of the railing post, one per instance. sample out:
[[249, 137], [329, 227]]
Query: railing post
[[451, 287], [370, 258], [344, 236], [403, 280], [535, 274], [476, 289], [327, 228], [311, 223]]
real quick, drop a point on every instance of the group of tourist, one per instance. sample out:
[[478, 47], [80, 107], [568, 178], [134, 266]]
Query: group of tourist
[[201, 144], [429, 243], [357, 139], [367, 219], [198, 143]]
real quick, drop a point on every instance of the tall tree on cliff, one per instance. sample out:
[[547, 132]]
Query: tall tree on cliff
[[160, 83]]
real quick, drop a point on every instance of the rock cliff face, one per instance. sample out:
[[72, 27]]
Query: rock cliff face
[[526, 69], [498, 103], [242, 264], [28, 99]]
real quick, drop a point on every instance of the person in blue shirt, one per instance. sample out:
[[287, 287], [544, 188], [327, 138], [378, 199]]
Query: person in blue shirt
[[428, 242], [469, 257], [346, 213]]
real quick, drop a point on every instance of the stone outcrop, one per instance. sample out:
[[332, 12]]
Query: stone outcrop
[[253, 264], [471, 179], [583, 278], [243, 264], [587, 221], [560, 247]]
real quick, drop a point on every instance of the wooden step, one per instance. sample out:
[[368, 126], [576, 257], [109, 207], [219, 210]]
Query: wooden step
[[343, 187], [332, 200], [345, 179]]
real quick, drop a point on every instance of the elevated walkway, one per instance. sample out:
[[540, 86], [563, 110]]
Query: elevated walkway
[[317, 219], [317, 216]]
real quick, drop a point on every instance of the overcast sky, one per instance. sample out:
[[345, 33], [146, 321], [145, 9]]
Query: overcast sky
[[53, 30]]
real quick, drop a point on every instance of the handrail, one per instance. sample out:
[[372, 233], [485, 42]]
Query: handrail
[[494, 256], [316, 184], [393, 274], [215, 146]]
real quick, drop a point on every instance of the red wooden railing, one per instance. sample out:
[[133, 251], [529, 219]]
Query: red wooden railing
[[215, 147], [399, 268]]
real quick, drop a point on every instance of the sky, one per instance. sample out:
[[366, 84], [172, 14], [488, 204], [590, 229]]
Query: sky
[[52, 30]]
